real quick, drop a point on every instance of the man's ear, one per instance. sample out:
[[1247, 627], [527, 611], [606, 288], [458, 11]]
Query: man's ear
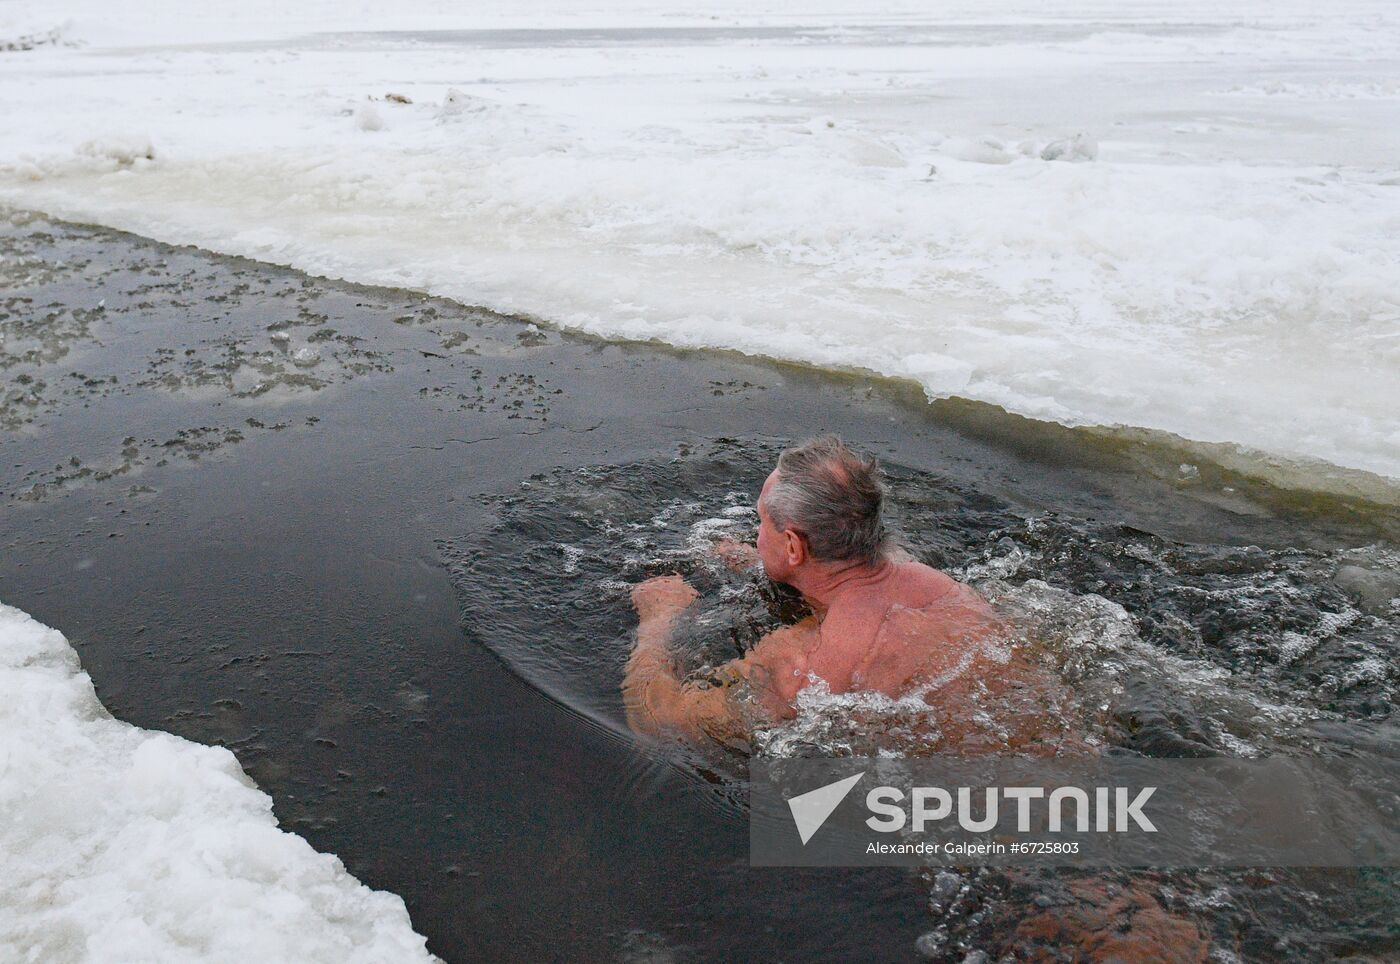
[[796, 545]]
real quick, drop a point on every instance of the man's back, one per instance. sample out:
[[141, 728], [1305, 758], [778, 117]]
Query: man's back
[[910, 624]]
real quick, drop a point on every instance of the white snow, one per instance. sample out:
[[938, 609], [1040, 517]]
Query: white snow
[[1180, 216], [121, 844]]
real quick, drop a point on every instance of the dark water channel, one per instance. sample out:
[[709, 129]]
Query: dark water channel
[[377, 544]]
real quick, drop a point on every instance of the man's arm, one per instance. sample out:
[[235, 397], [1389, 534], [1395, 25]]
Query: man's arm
[[737, 555], [656, 699], [658, 702]]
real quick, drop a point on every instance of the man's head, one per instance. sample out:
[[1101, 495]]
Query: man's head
[[820, 505]]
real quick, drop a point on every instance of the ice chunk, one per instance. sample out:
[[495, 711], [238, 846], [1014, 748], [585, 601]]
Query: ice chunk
[[25, 30], [124, 148], [872, 153], [123, 844], [458, 102], [1080, 147], [1374, 590], [987, 150], [368, 118]]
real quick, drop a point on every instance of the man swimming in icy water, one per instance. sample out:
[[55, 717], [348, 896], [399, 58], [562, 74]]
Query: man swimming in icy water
[[887, 624], [882, 622]]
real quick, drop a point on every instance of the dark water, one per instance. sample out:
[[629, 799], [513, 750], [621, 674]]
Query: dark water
[[379, 544]]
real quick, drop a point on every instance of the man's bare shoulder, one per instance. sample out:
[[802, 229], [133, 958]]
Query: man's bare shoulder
[[919, 585]]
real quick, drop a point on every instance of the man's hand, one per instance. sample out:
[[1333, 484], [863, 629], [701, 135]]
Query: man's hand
[[737, 555], [662, 596]]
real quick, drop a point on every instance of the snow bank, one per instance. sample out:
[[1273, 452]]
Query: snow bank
[[1057, 211], [122, 844]]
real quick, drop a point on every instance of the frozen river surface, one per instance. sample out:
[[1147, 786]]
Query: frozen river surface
[[1179, 217]]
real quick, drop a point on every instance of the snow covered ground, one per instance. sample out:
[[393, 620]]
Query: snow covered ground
[[121, 844], [1216, 255]]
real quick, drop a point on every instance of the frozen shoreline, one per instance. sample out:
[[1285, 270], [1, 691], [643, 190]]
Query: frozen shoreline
[[1219, 262], [119, 844]]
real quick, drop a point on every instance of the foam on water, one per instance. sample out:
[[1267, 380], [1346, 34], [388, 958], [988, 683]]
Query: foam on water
[[1176, 217], [123, 844]]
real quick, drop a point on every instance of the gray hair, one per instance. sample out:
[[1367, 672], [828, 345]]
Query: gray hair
[[833, 497]]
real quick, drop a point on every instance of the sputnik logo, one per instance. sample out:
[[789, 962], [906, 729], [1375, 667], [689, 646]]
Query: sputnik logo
[[810, 809]]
